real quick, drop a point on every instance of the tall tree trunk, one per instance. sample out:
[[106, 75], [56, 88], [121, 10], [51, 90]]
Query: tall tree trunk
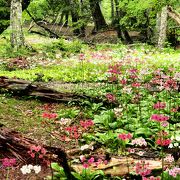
[[162, 28], [97, 15], [119, 28], [112, 10], [17, 37], [5, 12]]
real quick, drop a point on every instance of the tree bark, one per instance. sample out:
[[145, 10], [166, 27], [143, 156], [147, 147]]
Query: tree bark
[[97, 15], [174, 15], [121, 30], [162, 28], [5, 12], [17, 37], [112, 10]]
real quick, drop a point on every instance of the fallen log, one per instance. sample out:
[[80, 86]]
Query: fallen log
[[13, 144], [20, 87]]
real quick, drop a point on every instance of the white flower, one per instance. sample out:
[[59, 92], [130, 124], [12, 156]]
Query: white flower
[[140, 153], [177, 138], [30, 166], [170, 146], [25, 169], [37, 169], [84, 147], [176, 144]]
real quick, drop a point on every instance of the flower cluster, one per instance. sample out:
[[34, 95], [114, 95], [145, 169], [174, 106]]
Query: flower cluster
[[169, 158], [163, 139], [91, 161], [159, 105], [115, 69], [136, 84], [174, 172], [110, 97], [37, 150], [81, 56], [8, 162], [124, 136], [175, 142], [49, 115], [139, 142], [86, 124], [151, 178], [159, 117], [73, 132], [142, 168], [26, 169], [86, 146]]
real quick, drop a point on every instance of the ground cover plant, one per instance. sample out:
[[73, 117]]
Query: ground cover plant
[[135, 136]]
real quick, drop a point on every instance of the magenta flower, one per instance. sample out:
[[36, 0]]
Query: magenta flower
[[86, 124], [142, 168], [136, 84], [125, 136], [8, 162], [163, 142], [123, 81], [159, 105], [85, 165], [159, 117], [91, 160], [49, 115]]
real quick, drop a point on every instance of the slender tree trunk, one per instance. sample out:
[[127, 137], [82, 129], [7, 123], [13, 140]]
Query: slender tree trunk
[[157, 28], [162, 28], [17, 37], [97, 15], [112, 10], [119, 28]]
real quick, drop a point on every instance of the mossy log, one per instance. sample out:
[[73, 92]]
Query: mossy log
[[21, 88]]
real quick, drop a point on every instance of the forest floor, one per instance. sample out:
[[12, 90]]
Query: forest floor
[[57, 65]]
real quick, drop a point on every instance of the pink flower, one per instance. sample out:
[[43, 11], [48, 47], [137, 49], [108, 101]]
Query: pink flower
[[159, 117], [6, 162], [164, 123], [86, 124], [135, 84], [111, 97], [43, 151], [159, 105], [85, 165], [81, 57], [169, 158], [125, 136], [123, 81], [32, 155], [174, 172], [105, 162], [139, 141], [91, 160], [142, 168], [131, 150], [163, 142], [40, 156], [82, 158], [49, 115], [133, 71]]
